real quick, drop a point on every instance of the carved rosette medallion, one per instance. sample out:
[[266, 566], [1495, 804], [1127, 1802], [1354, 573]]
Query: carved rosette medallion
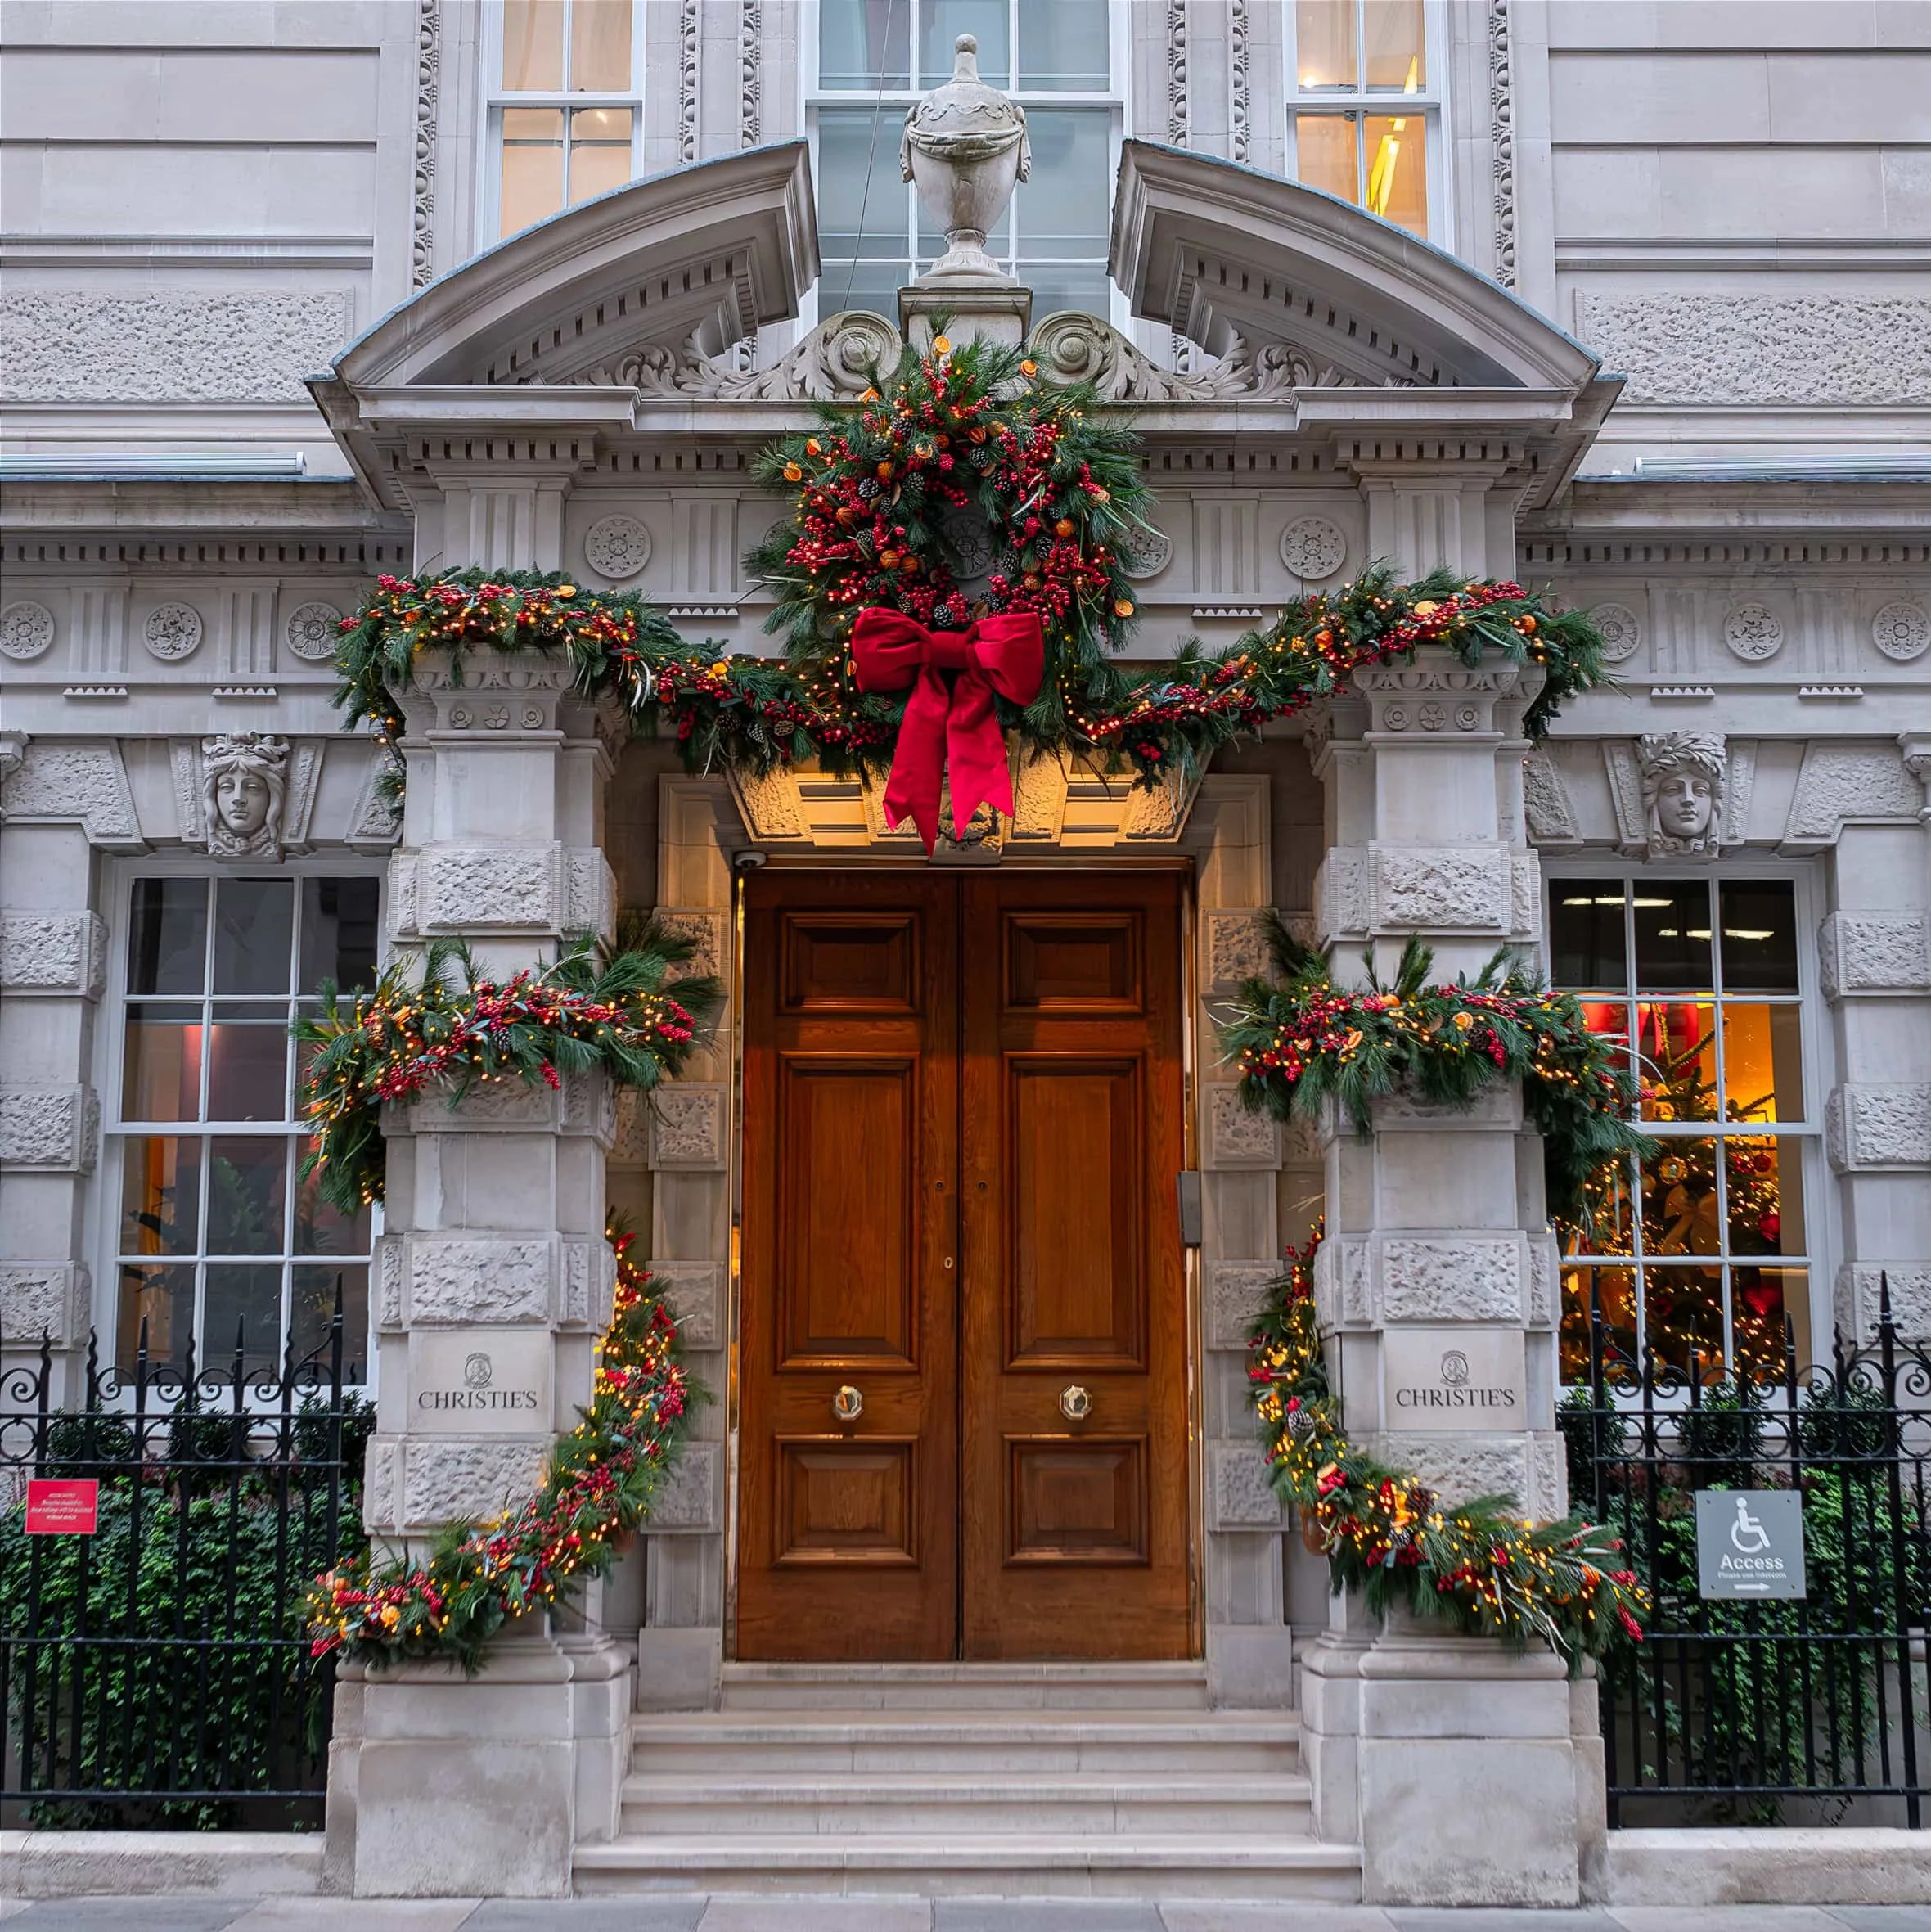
[[313, 629], [1622, 631], [1901, 631], [617, 546], [1144, 553], [1753, 631], [26, 630], [172, 631], [1313, 548]]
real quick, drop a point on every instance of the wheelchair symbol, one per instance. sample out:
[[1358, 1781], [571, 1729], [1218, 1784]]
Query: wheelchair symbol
[[1746, 1535]]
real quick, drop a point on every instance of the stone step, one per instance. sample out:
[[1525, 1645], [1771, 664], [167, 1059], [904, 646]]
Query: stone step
[[964, 1687], [871, 1742], [1019, 1865], [1264, 1806]]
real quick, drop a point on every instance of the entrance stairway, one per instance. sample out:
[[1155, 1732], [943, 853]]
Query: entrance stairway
[[986, 1780]]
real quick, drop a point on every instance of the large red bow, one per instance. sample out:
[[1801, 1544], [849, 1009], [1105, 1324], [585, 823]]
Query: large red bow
[[958, 726]]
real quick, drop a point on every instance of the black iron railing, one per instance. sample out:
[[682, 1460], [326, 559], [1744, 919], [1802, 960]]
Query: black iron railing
[[1806, 1711], [154, 1672]]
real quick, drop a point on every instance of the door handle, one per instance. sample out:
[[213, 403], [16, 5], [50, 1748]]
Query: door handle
[[1076, 1404], [849, 1404]]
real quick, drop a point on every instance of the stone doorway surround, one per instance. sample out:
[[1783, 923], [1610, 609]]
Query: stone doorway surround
[[685, 1136]]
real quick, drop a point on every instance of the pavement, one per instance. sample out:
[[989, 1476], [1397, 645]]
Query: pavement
[[822, 1914]]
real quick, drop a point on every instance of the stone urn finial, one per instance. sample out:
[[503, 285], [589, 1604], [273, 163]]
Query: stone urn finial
[[965, 150]]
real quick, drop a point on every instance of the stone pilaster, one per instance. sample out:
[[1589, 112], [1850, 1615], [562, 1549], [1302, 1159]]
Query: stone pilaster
[[53, 956], [1438, 1272], [493, 1276]]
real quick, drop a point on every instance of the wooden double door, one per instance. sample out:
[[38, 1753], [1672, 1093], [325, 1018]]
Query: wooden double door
[[963, 1414]]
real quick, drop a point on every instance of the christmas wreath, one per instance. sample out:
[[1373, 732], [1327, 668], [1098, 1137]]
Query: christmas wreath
[[1476, 1564], [961, 491]]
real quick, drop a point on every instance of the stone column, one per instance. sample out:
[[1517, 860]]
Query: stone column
[[491, 1271], [1437, 1248], [1874, 950]]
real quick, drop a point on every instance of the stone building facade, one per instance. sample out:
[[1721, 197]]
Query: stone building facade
[[1626, 301]]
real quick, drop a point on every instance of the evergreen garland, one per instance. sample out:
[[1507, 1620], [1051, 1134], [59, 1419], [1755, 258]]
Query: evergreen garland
[[1303, 1041], [1385, 1535], [439, 1020]]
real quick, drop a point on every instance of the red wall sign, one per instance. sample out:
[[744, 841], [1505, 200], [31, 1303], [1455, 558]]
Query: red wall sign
[[63, 1508]]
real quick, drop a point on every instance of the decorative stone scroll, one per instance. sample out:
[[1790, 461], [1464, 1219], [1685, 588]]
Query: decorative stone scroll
[[837, 362], [1070, 347]]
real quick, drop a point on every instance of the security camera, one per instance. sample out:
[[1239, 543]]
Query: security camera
[[747, 861]]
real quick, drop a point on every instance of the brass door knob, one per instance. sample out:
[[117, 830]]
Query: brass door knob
[[1076, 1404], [849, 1404]]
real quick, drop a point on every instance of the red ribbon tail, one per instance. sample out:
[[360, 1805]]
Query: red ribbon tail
[[975, 752], [918, 764]]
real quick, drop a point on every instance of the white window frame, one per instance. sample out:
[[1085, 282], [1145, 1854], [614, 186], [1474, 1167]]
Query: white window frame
[[489, 197], [892, 103], [1820, 1203], [1430, 103], [109, 1067]]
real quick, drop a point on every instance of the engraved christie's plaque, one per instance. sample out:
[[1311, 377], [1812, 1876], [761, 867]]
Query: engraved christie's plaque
[[1453, 1379], [481, 1381]]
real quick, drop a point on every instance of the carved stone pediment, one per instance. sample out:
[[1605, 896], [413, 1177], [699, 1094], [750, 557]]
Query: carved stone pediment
[[836, 362], [1074, 348]]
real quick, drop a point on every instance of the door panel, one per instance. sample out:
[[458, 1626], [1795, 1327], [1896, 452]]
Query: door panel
[[963, 1115], [1074, 1530], [848, 1532]]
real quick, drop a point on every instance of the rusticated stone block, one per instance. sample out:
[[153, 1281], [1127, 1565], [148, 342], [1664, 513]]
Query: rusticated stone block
[[44, 1298], [1449, 888], [1465, 1278], [708, 930], [1238, 1136], [1235, 948], [1872, 1126], [1243, 1497], [687, 1126], [1236, 1292], [467, 1478], [459, 888], [1860, 1300], [58, 952], [1459, 1467], [53, 1129], [694, 1293], [480, 1277], [692, 1493], [1874, 952]]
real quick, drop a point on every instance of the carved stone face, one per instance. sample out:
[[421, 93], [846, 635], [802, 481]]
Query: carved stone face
[[242, 801], [1685, 801]]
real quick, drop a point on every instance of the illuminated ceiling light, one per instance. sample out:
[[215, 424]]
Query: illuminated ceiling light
[[1738, 932]]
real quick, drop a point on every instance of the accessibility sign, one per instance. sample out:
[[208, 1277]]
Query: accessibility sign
[[1749, 1542]]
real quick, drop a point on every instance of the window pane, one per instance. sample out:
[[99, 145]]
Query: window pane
[[1683, 1311], [168, 936], [1060, 285], [323, 1230], [1615, 1292], [941, 22], [254, 934], [1392, 45], [1398, 169], [1676, 1046], [160, 1195], [1585, 944], [246, 1188], [1679, 1198], [1759, 938], [1760, 1299], [1325, 154], [164, 1299], [600, 151], [1611, 1228], [865, 44], [1766, 1185], [244, 1301], [533, 44], [1324, 51], [248, 1068], [312, 1310], [1064, 209], [532, 166], [600, 46], [872, 287], [1064, 45], [339, 931], [161, 1069], [1763, 1063], [1672, 935], [861, 205]]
